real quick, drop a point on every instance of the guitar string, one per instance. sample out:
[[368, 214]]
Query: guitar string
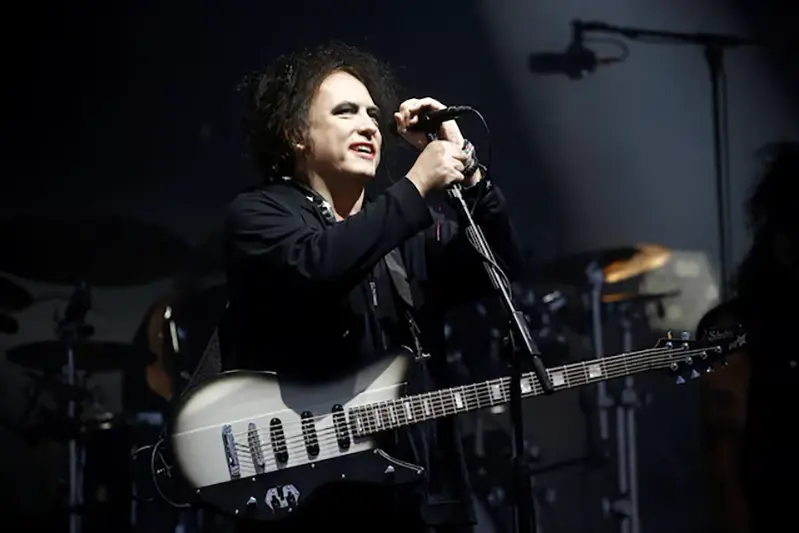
[[335, 452], [436, 397], [328, 435], [418, 398]]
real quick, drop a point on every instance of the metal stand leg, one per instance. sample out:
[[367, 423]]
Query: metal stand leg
[[596, 278], [626, 440], [75, 481], [625, 505]]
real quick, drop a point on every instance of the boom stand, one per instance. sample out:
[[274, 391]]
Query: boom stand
[[714, 45], [519, 339], [71, 329]]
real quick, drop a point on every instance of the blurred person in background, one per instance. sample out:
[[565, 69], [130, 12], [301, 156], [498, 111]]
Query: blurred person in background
[[750, 407]]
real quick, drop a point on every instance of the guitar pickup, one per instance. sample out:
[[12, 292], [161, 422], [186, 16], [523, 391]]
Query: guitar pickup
[[256, 450], [342, 431], [278, 438], [309, 434]]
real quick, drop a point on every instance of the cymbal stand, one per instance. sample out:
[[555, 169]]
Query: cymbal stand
[[596, 279], [72, 328], [626, 504]]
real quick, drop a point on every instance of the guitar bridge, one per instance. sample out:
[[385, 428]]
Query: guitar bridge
[[229, 443]]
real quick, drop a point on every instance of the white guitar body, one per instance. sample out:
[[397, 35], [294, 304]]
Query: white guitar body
[[225, 445]]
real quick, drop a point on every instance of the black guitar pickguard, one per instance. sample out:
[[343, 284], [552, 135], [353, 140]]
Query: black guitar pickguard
[[276, 495]]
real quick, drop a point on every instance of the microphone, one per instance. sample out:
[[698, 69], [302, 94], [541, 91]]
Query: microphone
[[430, 121], [575, 62]]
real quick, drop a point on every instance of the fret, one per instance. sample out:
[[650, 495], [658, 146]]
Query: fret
[[392, 413], [407, 408], [447, 405], [477, 398], [439, 404], [593, 370], [459, 399], [497, 392], [356, 414], [371, 420], [379, 416], [526, 383], [419, 406], [427, 403], [558, 378], [401, 410]]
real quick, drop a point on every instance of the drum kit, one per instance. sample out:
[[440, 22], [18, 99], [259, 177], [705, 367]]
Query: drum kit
[[570, 305], [88, 253]]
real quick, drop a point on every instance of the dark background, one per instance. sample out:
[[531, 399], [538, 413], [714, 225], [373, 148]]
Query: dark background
[[130, 109]]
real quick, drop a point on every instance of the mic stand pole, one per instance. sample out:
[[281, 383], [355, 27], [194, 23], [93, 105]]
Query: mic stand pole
[[714, 45], [519, 339]]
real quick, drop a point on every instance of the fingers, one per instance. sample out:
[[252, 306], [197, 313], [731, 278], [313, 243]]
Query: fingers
[[408, 113]]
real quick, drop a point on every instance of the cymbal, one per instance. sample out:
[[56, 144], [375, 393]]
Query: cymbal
[[648, 257], [93, 356], [100, 250], [13, 297], [624, 297], [617, 264], [571, 269]]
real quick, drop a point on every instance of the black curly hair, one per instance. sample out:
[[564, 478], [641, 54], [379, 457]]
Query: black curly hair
[[774, 219], [279, 96]]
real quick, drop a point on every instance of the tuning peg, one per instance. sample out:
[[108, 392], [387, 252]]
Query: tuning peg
[[669, 335], [694, 374], [708, 370], [685, 336], [680, 380]]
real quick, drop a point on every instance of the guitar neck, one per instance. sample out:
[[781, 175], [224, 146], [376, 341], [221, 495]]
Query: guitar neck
[[374, 418]]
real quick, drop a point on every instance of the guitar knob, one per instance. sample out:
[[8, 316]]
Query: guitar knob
[[685, 336]]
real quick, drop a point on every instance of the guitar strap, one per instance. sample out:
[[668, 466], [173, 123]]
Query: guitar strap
[[210, 363], [399, 277]]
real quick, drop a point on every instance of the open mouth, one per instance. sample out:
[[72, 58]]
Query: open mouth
[[365, 150]]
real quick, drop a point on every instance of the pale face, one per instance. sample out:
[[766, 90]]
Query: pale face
[[343, 135]]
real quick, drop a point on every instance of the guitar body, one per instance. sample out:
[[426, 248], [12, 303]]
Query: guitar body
[[259, 446], [254, 445]]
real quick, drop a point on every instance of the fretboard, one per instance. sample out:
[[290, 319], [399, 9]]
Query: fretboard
[[390, 414]]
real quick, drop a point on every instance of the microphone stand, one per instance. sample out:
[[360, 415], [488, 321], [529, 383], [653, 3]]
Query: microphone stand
[[519, 339], [714, 46]]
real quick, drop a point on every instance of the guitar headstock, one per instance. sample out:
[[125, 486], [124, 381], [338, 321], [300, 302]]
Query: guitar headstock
[[692, 358]]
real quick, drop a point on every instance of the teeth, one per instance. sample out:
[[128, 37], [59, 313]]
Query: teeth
[[363, 149]]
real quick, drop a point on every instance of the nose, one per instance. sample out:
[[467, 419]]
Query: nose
[[367, 126]]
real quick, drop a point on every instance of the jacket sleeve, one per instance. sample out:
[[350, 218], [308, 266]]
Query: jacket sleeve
[[267, 238], [456, 268]]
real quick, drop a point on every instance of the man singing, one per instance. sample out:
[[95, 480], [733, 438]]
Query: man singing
[[323, 282]]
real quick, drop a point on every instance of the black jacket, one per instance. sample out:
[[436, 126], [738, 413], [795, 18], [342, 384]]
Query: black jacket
[[312, 298]]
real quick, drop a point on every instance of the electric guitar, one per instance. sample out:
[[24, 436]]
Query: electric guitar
[[254, 445]]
